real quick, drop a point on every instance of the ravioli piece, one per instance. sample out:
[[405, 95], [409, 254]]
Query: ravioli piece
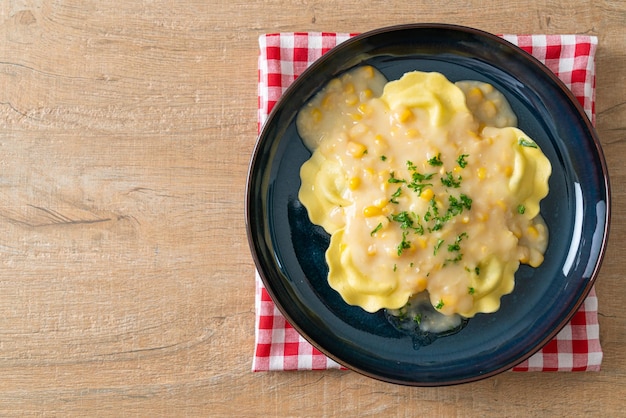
[[430, 91], [323, 192]]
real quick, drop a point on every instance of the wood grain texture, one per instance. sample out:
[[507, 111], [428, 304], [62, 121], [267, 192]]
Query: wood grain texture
[[126, 281]]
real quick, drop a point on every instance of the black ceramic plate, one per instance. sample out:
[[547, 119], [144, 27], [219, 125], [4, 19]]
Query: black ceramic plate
[[289, 250]]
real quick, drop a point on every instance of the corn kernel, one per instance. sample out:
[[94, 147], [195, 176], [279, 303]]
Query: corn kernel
[[358, 130], [356, 116], [404, 115], [380, 143], [501, 204], [371, 250], [334, 84], [327, 101], [354, 183], [316, 114], [508, 171], [474, 135], [532, 232], [368, 71], [348, 88], [412, 133], [474, 95], [421, 284], [422, 243], [356, 149], [483, 217], [370, 211], [465, 219], [392, 253], [380, 203], [366, 94], [352, 99], [489, 109], [449, 301], [365, 109], [457, 169], [481, 173], [427, 194]]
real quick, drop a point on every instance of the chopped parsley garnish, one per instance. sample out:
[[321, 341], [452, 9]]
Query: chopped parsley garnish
[[437, 246], [433, 210], [393, 179], [521, 209], [450, 181], [418, 179], [439, 304], [404, 244], [466, 202], [375, 230], [436, 161], [461, 160], [417, 319], [417, 184], [383, 158], [456, 206], [404, 218], [477, 271], [439, 222], [457, 242], [471, 290], [402, 313], [395, 195], [433, 213], [456, 247], [406, 221], [524, 142], [456, 259]]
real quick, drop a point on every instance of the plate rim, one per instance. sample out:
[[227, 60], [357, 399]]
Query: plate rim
[[258, 260]]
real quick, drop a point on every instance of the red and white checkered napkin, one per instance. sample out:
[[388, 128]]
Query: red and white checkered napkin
[[283, 56]]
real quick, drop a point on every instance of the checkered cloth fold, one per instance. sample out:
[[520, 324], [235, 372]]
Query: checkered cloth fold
[[283, 56]]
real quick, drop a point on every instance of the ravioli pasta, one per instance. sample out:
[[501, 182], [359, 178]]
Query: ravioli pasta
[[424, 186]]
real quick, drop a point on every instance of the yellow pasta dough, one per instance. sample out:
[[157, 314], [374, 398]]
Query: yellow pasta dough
[[424, 186]]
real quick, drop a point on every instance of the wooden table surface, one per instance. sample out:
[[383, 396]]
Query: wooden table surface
[[126, 280]]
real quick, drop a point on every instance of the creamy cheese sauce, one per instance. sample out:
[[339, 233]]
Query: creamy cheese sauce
[[426, 187]]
